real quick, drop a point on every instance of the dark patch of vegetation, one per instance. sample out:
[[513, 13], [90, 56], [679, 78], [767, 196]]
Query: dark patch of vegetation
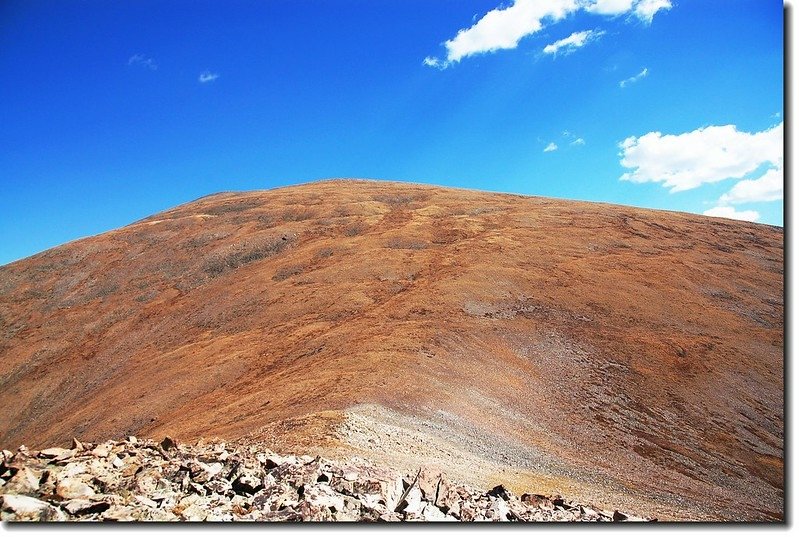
[[146, 297], [233, 207], [297, 215], [400, 199], [324, 253], [206, 238], [483, 210], [398, 243], [353, 230], [287, 272], [245, 253], [265, 221]]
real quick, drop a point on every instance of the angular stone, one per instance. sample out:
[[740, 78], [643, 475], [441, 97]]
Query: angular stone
[[101, 451], [431, 513], [249, 481], [168, 443], [21, 507], [500, 492], [146, 501], [119, 513], [389, 517], [56, 453], [428, 484], [500, 507], [81, 507], [537, 501], [24, 482], [412, 504], [193, 513], [202, 473], [218, 486], [72, 487]]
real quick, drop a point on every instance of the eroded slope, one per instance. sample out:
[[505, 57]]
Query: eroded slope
[[578, 344]]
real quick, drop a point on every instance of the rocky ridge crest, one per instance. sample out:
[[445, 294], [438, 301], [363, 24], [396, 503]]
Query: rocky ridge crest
[[144, 480]]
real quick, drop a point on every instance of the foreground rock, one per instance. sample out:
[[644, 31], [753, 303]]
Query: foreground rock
[[136, 480]]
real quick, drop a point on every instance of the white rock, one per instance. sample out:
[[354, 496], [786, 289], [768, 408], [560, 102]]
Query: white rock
[[432, 513], [72, 487], [57, 453], [101, 451], [27, 508], [414, 500]]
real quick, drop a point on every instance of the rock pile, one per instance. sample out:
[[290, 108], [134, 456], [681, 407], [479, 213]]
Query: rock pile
[[135, 480]]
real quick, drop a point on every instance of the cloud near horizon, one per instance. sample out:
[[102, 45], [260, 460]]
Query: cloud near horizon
[[709, 155], [705, 155], [730, 212], [504, 27]]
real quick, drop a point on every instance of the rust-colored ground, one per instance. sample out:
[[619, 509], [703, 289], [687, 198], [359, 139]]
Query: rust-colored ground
[[615, 353]]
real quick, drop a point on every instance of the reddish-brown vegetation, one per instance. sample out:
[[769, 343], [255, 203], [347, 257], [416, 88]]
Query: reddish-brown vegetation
[[636, 350]]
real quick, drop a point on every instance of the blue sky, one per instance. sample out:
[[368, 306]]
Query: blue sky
[[111, 111]]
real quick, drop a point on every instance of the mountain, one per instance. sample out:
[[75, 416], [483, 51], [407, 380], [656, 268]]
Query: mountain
[[615, 355]]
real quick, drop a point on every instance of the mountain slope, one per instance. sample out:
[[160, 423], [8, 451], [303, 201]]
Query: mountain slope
[[587, 348]]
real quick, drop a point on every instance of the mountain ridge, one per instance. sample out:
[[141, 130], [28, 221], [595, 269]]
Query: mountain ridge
[[559, 335]]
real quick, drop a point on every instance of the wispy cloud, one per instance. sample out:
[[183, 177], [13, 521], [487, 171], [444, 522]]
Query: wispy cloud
[[635, 78], [505, 26], [573, 138], [143, 61], [729, 212], [706, 155], [567, 45], [434, 62], [207, 76], [551, 147]]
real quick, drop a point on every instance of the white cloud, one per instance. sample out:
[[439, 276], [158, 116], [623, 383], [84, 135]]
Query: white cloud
[[767, 187], [730, 212], [207, 76], [434, 62], [705, 155], [573, 42], [646, 9], [610, 7], [573, 138], [551, 147], [503, 27], [144, 61], [634, 78]]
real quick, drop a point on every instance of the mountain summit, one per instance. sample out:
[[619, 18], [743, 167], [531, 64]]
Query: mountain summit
[[620, 356]]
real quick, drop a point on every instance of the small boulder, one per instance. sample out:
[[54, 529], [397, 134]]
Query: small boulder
[[168, 443], [81, 507], [72, 487], [57, 453], [21, 507]]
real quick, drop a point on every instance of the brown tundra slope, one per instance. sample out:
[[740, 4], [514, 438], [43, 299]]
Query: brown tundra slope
[[625, 357]]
